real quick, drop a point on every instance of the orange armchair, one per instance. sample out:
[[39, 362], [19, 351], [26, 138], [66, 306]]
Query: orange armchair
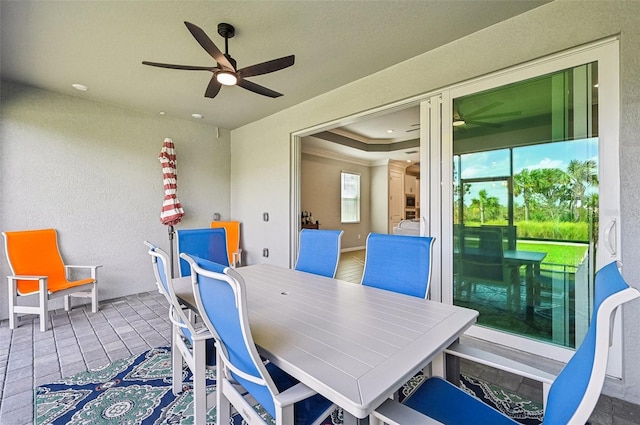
[[37, 269]]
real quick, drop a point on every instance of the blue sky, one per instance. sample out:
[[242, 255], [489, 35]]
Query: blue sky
[[548, 155]]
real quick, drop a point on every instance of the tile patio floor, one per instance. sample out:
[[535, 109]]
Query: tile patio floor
[[77, 341]]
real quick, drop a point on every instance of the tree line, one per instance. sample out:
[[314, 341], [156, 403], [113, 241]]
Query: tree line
[[542, 194]]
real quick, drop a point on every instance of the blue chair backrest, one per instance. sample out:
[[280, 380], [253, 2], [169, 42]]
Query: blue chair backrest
[[221, 296], [583, 376], [207, 243], [398, 263], [160, 261], [319, 251]]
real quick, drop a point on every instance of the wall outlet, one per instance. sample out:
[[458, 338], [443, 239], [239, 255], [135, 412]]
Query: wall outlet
[[265, 216], [265, 252]]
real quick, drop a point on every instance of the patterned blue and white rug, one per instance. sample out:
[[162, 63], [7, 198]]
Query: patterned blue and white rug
[[137, 390]]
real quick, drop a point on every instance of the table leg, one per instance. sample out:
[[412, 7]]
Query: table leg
[[349, 419], [513, 300], [438, 366], [529, 294]]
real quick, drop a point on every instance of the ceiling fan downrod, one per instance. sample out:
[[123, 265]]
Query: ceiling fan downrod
[[227, 31]]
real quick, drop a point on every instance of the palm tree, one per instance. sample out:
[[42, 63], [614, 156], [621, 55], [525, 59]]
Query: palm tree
[[582, 174], [489, 206], [523, 185]]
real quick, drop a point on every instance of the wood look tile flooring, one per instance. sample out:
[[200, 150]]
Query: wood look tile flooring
[[351, 266]]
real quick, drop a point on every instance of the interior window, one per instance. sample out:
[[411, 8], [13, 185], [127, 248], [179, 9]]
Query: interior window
[[350, 197]]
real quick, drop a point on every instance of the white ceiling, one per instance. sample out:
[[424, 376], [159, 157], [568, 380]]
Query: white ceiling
[[101, 44]]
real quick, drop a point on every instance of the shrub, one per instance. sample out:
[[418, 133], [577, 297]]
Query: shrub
[[562, 231]]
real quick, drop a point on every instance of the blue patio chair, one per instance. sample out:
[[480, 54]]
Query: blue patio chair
[[189, 343], [573, 394], [319, 251], [207, 243], [398, 263], [220, 294]]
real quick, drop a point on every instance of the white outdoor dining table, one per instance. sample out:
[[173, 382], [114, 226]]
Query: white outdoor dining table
[[354, 344]]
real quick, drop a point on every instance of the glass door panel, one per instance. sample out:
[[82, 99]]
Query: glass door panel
[[524, 204]]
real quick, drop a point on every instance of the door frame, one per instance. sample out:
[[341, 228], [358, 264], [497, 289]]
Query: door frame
[[295, 160]]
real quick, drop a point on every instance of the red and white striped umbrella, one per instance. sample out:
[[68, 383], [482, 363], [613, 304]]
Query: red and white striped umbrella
[[172, 211]]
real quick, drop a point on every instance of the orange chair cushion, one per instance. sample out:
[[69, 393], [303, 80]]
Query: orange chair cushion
[[35, 253], [233, 236]]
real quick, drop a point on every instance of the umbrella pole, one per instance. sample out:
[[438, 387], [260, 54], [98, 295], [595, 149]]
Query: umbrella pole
[[171, 232]]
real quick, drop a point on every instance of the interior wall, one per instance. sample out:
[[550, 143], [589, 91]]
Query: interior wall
[[91, 171], [261, 150], [320, 194], [380, 198]]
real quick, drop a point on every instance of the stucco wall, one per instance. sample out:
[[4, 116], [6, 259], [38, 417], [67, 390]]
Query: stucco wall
[[261, 150], [91, 171]]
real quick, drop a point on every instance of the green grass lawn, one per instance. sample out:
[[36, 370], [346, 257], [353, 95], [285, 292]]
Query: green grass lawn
[[557, 253]]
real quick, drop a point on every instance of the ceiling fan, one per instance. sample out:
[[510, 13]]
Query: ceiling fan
[[225, 73], [476, 117]]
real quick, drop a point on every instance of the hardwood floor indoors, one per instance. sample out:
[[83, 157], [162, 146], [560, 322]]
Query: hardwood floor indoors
[[351, 266]]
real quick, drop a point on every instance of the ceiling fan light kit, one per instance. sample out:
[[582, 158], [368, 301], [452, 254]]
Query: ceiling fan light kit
[[227, 78], [225, 72]]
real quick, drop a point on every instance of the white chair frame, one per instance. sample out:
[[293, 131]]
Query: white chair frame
[[89, 290], [194, 354]]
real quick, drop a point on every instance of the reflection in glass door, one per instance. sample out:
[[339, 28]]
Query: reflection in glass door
[[525, 198]]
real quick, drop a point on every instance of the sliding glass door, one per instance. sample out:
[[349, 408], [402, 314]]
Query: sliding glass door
[[525, 203], [523, 157]]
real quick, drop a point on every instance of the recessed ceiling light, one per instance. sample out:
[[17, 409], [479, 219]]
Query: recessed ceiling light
[[80, 87], [409, 161], [162, 112], [196, 116], [390, 131]]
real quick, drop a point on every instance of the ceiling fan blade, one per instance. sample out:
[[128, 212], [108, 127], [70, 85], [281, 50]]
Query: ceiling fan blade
[[267, 67], [504, 114], [481, 110], [213, 88], [185, 67], [256, 88], [208, 45], [483, 123]]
